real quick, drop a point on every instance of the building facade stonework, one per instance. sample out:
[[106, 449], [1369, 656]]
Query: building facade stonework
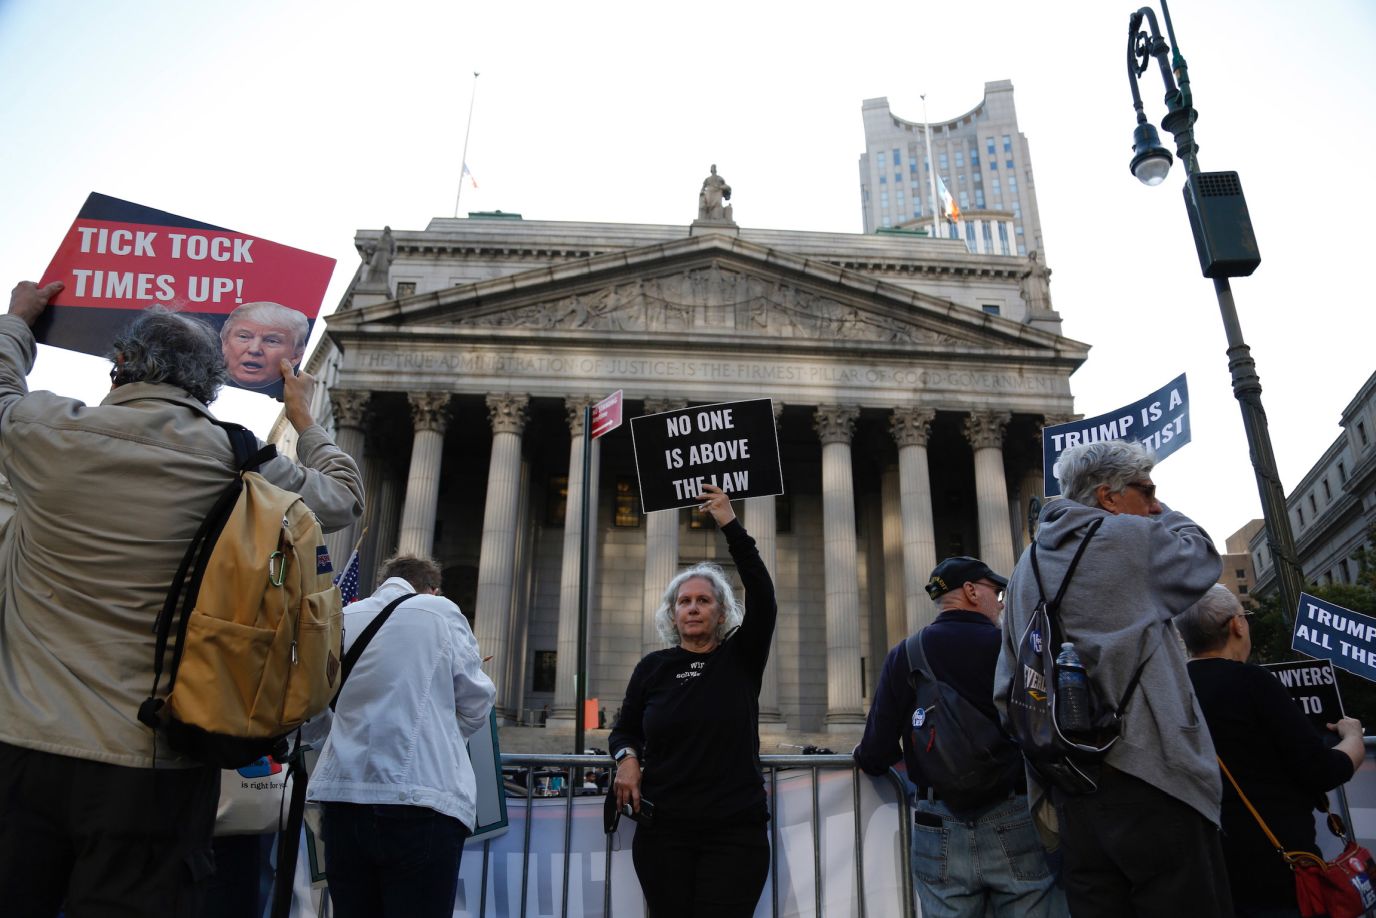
[[907, 414]]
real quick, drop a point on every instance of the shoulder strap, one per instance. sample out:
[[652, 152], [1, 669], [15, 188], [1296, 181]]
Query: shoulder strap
[[361, 644], [248, 456], [1266, 830], [1054, 605], [917, 655]]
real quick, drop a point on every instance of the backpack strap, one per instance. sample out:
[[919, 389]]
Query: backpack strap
[[1053, 609], [361, 644], [248, 455], [1054, 605]]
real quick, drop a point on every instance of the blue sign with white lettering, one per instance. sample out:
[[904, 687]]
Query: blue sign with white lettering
[[1160, 422], [1330, 632]]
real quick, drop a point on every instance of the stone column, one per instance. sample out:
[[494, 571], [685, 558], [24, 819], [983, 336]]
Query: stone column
[[384, 540], [350, 408], [911, 428], [895, 584], [661, 552], [984, 430], [497, 556], [759, 518], [566, 661], [429, 416], [835, 424]]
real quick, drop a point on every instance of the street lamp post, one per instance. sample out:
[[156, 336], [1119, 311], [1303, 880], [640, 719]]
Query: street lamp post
[[1227, 248]]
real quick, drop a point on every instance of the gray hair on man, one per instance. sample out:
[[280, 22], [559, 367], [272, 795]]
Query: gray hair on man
[[732, 614], [1116, 463], [1204, 626], [162, 346]]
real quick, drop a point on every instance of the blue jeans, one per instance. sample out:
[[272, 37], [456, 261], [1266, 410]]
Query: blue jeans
[[986, 862], [385, 861]]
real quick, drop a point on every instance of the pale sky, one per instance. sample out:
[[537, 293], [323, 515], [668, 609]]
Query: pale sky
[[304, 122]]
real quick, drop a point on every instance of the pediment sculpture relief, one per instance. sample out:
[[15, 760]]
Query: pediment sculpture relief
[[709, 298]]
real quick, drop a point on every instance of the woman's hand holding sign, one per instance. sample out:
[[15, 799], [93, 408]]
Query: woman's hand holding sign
[[715, 502]]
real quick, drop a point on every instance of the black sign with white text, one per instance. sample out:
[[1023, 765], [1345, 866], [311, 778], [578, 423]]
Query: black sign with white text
[[1314, 687], [732, 445]]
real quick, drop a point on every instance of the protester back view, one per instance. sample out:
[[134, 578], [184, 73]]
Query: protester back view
[[399, 792], [108, 498]]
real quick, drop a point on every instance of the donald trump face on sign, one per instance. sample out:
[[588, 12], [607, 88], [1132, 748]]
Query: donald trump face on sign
[[256, 337]]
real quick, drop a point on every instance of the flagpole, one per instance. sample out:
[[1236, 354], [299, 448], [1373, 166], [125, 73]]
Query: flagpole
[[466, 131], [931, 163]]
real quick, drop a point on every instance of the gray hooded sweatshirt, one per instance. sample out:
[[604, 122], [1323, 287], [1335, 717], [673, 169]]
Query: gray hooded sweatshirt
[[1137, 574]]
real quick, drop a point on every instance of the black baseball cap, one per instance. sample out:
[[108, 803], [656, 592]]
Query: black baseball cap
[[953, 573]]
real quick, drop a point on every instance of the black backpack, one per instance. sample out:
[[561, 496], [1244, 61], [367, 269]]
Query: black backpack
[[1069, 763], [966, 758]]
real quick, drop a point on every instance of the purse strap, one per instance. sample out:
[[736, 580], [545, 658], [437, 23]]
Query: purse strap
[[1292, 858]]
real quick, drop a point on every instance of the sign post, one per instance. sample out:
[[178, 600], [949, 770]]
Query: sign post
[[598, 420]]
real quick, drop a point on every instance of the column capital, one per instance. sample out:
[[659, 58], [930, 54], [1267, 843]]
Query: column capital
[[835, 423], [984, 429], [429, 410], [661, 405], [507, 412], [573, 408], [1051, 420], [911, 426], [350, 407]]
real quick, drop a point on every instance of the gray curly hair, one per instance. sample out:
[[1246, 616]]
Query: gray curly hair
[[721, 588], [162, 346], [1116, 463]]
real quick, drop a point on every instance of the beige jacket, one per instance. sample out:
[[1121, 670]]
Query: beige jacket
[[108, 498]]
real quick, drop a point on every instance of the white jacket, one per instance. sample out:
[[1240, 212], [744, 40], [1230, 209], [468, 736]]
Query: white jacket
[[414, 698]]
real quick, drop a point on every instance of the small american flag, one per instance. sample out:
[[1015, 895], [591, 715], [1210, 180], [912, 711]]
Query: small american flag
[[347, 581]]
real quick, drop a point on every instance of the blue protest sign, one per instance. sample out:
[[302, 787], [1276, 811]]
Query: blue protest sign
[[1330, 632], [1160, 422]]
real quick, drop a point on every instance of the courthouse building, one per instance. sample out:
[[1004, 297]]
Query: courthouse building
[[910, 378]]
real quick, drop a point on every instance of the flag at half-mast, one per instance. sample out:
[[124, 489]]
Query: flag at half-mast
[[469, 172], [949, 208]]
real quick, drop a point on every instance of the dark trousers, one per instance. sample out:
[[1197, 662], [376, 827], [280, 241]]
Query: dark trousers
[[107, 840], [701, 870], [242, 882], [1131, 849], [386, 861]]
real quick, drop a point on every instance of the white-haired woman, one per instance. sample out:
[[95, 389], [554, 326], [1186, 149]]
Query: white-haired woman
[[1273, 752], [687, 741]]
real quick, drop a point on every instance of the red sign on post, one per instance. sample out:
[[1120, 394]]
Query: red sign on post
[[606, 415]]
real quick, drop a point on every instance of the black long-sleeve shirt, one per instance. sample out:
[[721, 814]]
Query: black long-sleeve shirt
[[962, 648], [693, 718], [1282, 764]]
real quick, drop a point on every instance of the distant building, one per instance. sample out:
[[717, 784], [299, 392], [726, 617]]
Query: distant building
[[1238, 575], [981, 156], [1333, 510]]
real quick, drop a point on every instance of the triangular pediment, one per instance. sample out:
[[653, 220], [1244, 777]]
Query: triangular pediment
[[707, 286]]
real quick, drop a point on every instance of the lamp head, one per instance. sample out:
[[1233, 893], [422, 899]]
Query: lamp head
[[1150, 160]]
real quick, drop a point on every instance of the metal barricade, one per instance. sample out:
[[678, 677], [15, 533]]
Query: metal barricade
[[572, 765]]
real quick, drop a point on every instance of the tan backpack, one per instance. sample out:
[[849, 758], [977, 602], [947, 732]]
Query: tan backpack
[[258, 637]]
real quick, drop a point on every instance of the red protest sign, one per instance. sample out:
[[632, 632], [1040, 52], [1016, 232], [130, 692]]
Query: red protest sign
[[606, 415], [119, 257]]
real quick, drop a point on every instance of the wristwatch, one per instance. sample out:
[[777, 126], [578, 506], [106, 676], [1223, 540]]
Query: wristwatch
[[625, 751]]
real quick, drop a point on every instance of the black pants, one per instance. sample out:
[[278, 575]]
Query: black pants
[[702, 870], [107, 840], [389, 861], [1131, 849]]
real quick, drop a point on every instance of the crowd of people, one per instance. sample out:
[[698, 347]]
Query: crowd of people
[[99, 817]]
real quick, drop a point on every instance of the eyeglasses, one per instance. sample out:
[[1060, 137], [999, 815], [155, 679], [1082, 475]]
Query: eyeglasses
[[998, 591], [1146, 490], [1244, 615]]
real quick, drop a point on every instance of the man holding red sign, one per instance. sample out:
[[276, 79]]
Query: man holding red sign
[[95, 810]]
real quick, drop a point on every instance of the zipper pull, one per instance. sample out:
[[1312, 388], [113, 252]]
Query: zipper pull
[[294, 658]]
